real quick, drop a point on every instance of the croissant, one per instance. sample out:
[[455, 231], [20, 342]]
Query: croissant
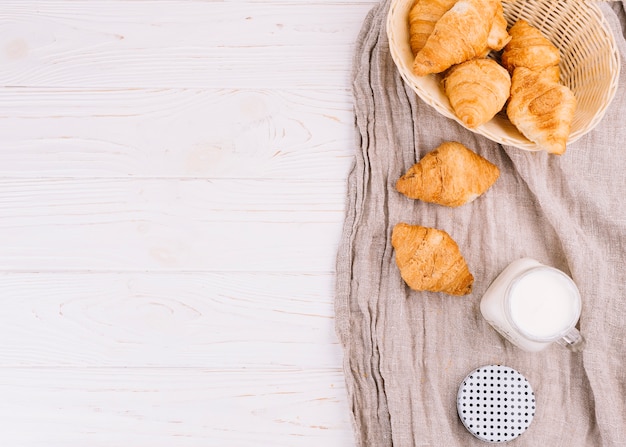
[[429, 259], [450, 175], [459, 35], [477, 90], [528, 48], [552, 73], [541, 109], [498, 35], [423, 16]]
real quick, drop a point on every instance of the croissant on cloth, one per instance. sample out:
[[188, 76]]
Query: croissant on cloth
[[451, 175], [477, 90], [541, 109], [459, 35], [429, 259], [529, 48]]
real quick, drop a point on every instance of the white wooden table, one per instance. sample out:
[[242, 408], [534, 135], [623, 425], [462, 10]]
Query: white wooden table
[[172, 186]]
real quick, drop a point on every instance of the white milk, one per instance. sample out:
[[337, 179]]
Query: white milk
[[533, 305]]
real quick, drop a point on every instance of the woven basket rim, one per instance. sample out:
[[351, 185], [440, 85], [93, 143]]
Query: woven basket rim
[[431, 93]]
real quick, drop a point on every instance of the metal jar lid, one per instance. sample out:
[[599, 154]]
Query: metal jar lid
[[496, 403]]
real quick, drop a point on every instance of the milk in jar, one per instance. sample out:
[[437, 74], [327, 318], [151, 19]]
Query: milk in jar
[[533, 305]]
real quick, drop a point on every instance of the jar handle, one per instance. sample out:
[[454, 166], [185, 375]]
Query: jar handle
[[573, 340]]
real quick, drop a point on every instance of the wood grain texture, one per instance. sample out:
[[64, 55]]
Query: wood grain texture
[[104, 43], [153, 407], [172, 186], [202, 320], [115, 224], [279, 134]]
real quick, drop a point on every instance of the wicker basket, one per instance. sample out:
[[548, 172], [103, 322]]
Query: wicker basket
[[589, 66]]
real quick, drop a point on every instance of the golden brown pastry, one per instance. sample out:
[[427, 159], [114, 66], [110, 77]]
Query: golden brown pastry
[[459, 35], [552, 74], [541, 109], [529, 48], [429, 259], [498, 35], [450, 175], [423, 16], [477, 90]]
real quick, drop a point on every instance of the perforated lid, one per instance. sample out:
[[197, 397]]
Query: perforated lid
[[496, 403]]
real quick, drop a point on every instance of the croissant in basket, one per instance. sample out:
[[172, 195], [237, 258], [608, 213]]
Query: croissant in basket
[[424, 14], [477, 90], [498, 35], [429, 259], [541, 109], [451, 175], [529, 48], [460, 34]]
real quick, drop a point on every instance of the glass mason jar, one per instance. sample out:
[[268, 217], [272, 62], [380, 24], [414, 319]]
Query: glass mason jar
[[533, 305]]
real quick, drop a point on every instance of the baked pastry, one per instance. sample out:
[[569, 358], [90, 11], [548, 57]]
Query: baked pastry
[[459, 35], [477, 90], [529, 48], [429, 259], [423, 16], [552, 73], [451, 175], [498, 35], [541, 109]]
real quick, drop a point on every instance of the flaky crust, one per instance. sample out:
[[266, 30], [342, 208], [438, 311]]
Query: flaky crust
[[541, 109], [477, 90], [429, 259], [459, 35], [498, 35], [529, 48], [423, 16], [451, 175]]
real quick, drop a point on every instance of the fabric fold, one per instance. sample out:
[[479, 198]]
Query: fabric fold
[[406, 352]]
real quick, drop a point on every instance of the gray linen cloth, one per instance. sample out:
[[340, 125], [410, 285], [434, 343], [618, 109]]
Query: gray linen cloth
[[406, 352]]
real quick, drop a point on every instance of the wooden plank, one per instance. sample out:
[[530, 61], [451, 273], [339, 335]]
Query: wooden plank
[[164, 407], [176, 133], [210, 320], [152, 44], [175, 225]]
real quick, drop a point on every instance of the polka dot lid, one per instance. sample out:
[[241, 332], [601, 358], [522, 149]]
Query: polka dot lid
[[496, 403]]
